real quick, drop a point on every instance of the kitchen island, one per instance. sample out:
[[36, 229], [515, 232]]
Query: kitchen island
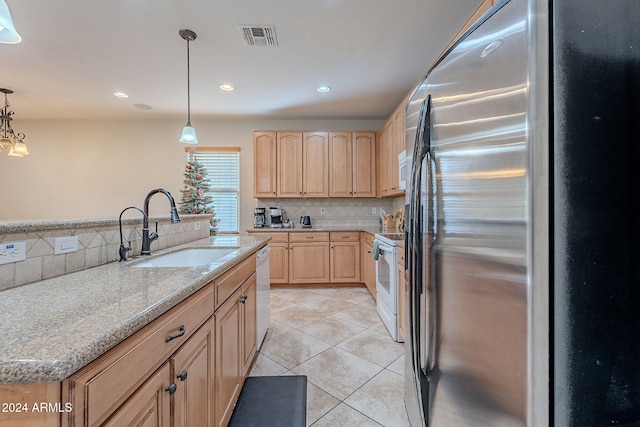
[[58, 327]]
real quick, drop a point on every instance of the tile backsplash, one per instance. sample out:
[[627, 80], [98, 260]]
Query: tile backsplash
[[350, 212], [98, 243]]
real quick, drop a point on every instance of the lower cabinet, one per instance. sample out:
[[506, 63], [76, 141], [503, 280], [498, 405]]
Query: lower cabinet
[[309, 262], [149, 406], [235, 327], [184, 369], [368, 270]]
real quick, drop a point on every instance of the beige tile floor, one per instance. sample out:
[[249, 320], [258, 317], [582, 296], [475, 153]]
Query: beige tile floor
[[335, 337]]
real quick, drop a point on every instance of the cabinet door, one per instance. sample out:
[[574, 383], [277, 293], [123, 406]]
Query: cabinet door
[[345, 262], [148, 406], [309, 262], [264, 164], [279, 262], [315, 168], [397, 147], [227, 358], [370, 269], [289, 164], [340, 164], [192, 374], [383, 160], [364, 164], [248, 326]]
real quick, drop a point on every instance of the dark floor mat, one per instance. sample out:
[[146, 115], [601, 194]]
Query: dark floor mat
[[272, 401]]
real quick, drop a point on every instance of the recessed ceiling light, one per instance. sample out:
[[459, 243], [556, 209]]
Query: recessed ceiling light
[[226, 87], [323, 89], [121, 94]]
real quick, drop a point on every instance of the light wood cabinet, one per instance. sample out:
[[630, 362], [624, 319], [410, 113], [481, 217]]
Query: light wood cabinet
[[401, 293], [352, 164], [392, 143], [248, 327], [344, 259], [185, 368], [227, 358], [315, 168], [289, 164], [264, 164], [341, 160], [294, 164], [364, 164], [101, 388], [309, 262], [149, 406], [368, 270]]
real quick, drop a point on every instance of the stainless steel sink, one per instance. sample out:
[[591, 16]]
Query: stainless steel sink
[[193, 257]]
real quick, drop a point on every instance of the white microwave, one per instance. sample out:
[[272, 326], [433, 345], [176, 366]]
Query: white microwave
[[404, 166]]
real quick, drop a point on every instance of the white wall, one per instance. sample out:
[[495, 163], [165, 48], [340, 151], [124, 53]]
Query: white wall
[[94, 169]]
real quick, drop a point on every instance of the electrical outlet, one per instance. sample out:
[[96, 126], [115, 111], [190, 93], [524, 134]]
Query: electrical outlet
[[196, 226], [12, 252], [322, 211], [373, 211]]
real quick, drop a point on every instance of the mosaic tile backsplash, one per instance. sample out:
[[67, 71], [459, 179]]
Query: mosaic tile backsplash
[[350, 212]]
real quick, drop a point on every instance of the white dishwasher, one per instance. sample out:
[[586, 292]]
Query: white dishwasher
[[263, 294]]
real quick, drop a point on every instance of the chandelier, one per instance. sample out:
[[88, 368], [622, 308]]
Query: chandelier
[[9, 140]]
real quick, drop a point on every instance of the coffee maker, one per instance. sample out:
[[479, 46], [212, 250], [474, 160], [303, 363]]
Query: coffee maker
[[276, 217], [259, 217]]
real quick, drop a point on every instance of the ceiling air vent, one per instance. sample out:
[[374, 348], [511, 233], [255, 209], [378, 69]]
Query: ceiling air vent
[[259, 35]]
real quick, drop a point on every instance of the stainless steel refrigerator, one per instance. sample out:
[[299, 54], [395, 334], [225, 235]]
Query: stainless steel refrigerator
[[523, 224]]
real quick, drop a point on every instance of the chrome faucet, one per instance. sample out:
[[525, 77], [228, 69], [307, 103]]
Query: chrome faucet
[[146, 237]]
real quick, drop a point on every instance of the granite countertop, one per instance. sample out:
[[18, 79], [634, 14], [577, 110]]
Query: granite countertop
[[54, 327]]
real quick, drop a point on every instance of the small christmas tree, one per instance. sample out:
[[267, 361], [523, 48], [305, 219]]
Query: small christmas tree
[[195, 198]]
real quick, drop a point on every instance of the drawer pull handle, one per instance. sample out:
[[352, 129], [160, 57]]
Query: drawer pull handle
[[182, 375], [178, 335], [243, 299], [344, 237], [308, 237], [171, 388]]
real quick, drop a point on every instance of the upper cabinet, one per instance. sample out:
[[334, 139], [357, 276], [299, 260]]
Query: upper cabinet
[[392, 143], [315, 167], [289, 164], [352, 159], [314, 164], [264, 164]]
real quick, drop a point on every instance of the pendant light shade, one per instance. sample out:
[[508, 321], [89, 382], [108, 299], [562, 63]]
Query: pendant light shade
[[188, 135], [188, 132], [8, 33]]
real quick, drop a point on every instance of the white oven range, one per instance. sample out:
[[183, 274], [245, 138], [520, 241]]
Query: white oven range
[[385, 248]]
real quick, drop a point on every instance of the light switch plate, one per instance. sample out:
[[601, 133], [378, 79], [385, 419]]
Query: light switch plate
[[63, 245]]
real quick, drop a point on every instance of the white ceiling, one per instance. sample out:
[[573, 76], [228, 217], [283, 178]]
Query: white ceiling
[[75, 53]]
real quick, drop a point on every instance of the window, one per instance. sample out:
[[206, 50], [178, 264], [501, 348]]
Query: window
[[223, 173]]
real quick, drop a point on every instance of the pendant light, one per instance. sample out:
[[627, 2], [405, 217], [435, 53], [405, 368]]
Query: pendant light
[[188, 132], [8, 33]]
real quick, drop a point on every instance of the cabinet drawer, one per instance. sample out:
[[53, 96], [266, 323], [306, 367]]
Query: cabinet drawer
[[282, 237], [368, 238], [118, 373], [345, 236], [310, 236], [232, 279]]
